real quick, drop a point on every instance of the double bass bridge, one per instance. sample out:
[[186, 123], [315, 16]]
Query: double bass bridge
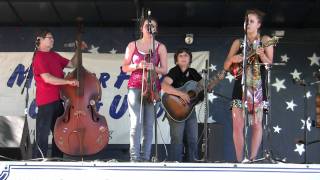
[[79, 113]]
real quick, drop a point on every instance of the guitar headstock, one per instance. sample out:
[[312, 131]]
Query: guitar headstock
[[216, 79], [272, 42]]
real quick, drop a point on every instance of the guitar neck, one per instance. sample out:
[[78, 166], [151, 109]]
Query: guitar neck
[[273, 41], [212, 82], [253, 51]]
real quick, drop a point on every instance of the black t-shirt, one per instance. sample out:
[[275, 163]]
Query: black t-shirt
[[180, 78]]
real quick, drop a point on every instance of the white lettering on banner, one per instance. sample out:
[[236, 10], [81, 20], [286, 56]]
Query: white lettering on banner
[[107, 67]]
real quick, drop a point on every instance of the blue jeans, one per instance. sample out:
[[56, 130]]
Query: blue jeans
[[188, 129], [45, 121], [138, 127]]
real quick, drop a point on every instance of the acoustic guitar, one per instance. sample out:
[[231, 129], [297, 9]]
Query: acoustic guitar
[[177, 109]]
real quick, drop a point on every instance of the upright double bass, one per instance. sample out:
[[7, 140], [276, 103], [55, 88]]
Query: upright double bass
[[81, 130]]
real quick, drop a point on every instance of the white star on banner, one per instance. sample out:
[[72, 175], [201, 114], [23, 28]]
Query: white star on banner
[[94, 49], [284, 58], [295, 74], [229, 77], [291, 105], [277, 129], [279, 84], [211, 120], [314, 59], [299, 148], [308, 124], [213, 67], [212, 97], [308, 94], [113, 51]]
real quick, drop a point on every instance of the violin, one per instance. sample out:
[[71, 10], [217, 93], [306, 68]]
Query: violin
[[150, 91]]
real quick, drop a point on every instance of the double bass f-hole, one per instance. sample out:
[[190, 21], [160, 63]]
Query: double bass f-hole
[[92, 107]]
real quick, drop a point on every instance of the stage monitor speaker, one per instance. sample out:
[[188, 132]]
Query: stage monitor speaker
[[215, 142], [14, 138]]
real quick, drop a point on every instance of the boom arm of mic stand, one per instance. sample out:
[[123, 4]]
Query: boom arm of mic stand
[[313, 83]]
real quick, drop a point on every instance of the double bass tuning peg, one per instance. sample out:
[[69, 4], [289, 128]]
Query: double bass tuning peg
[[92, 102]]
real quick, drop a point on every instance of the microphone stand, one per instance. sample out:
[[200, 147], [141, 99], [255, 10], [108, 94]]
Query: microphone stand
[[205, 125], [267, 110], [26, 86], [244, 90], [153, 56], [305, 100]]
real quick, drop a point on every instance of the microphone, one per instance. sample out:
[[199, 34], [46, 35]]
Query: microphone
[[245, 23], [204, 71], [151, 28], [37, 42], [149, 21], [256, 44]]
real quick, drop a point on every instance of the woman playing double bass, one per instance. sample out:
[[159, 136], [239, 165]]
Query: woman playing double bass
[[134, 62]]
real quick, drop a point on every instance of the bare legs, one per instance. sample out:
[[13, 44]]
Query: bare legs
[[256, 126], [238, 125], [238, 137]]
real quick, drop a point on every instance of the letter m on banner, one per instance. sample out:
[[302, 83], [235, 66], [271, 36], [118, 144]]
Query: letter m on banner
[[19, 75]]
